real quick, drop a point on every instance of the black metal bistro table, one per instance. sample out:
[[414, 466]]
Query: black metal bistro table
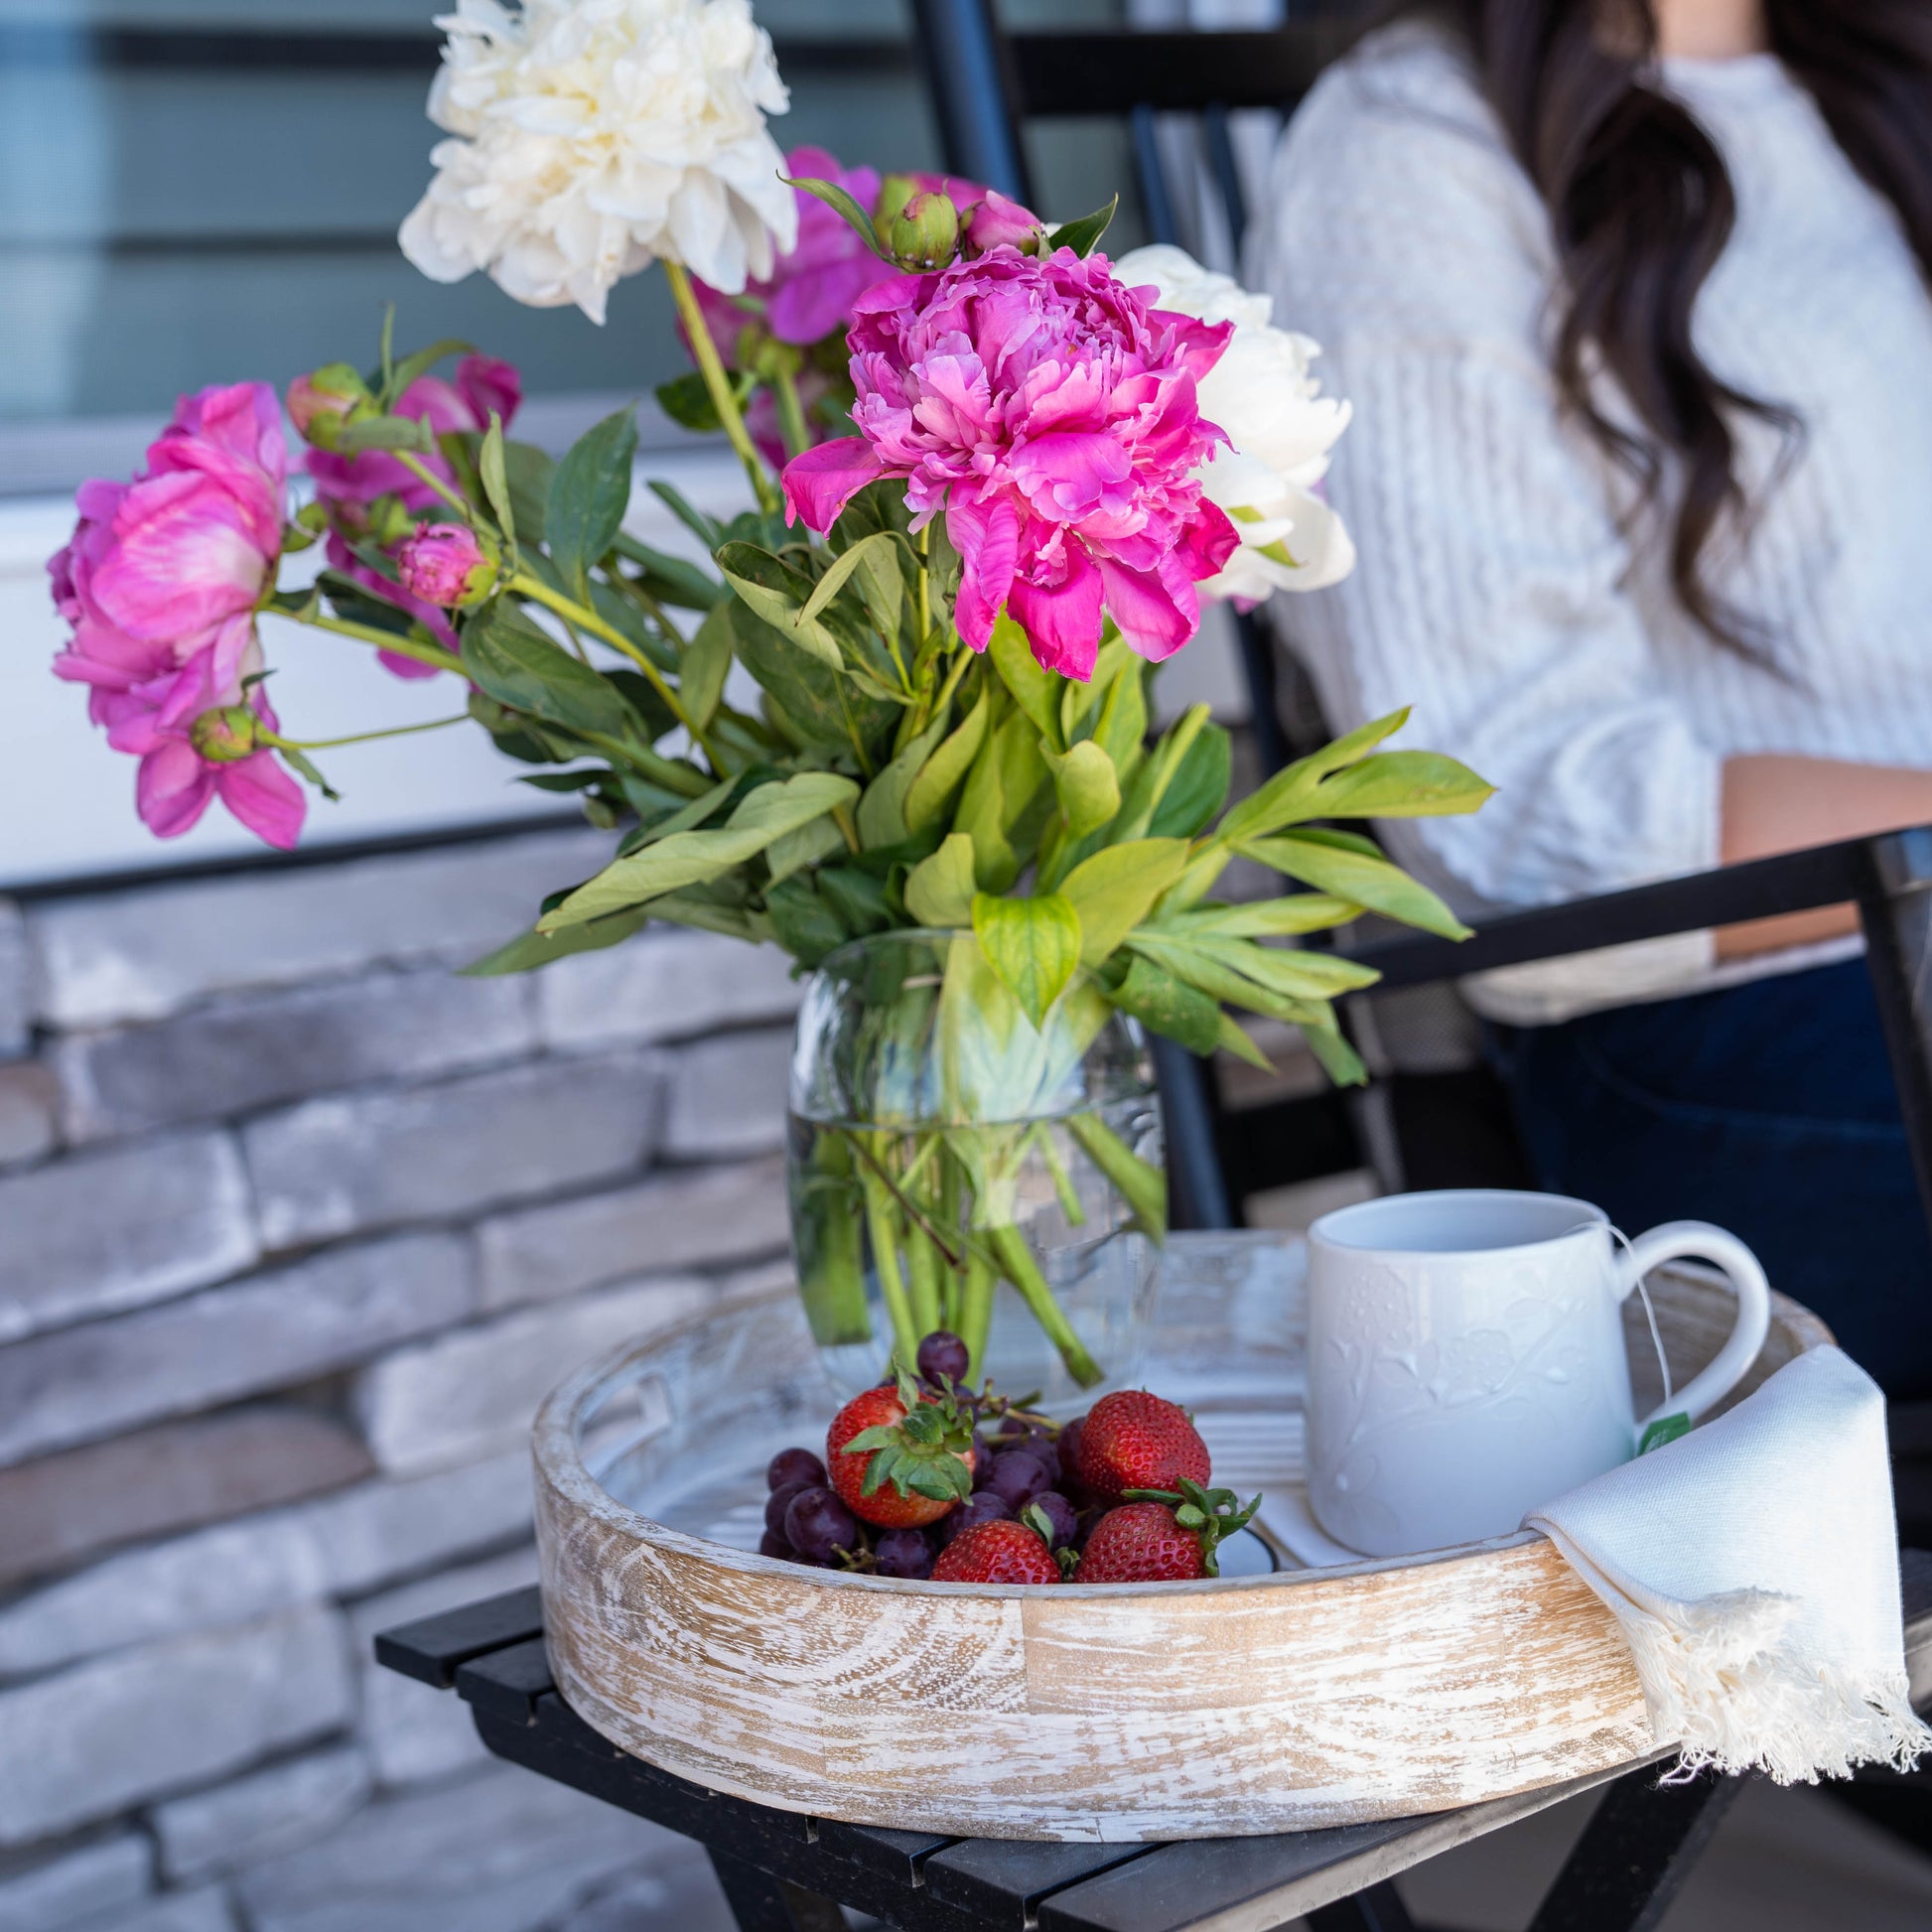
[[782, 1871]]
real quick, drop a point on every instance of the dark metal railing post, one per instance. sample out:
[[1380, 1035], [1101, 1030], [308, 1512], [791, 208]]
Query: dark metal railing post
[[1194, 1173], [968, 73], [1895, 910]]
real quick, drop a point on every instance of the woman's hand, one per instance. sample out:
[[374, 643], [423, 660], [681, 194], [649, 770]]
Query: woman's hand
[[1775, 803]]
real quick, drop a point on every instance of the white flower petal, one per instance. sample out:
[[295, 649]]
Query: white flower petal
[[592, 135]]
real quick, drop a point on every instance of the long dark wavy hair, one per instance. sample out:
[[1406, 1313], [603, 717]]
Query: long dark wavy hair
[[1641, 207]]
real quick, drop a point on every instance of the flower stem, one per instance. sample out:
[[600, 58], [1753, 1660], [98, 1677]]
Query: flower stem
[[884, 1259], [1016, 1264], [791, 414], [1142, 1184], [424, 474], [976, 1308], [717, 384], [357, 738], [444, 660]]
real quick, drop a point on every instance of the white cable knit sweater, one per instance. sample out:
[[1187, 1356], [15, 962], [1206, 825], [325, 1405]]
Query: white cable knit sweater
[[1496, 593]]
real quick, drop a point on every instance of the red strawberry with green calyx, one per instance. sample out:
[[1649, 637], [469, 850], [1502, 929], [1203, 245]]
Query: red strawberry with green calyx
[[1133, 1440], [997, 1552], [902, 1456], [1162, 1536]]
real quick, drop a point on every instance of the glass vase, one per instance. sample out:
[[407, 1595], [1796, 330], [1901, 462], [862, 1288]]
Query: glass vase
[[953, 1165]]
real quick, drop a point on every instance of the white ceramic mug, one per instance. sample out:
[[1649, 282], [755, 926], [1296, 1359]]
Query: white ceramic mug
[[1466, 1359]]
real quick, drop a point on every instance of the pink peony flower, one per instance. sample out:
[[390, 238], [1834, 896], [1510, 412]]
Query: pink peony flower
[[175, 562], [348, 485], [813, 286], [445, 564], [153, 720], [1051, 414], [994, 222]]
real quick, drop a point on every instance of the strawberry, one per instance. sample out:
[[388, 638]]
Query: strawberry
[[1161, 1538], [997, 1552], [901, 1457], [1132, 1440]]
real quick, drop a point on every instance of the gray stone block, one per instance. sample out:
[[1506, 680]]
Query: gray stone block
[[16, 992], [89, 1742], [261, 1815], [266, 1332], [374, 1534], [689, 1217], [206, 1910], [138, 955], [663, 984], [364, 1161], [27, 1129], [677, 1888], [262, 1565], [475, 1392], [261, 1049], [502, 1852], [63, 1508], [47, 1893], [108, 1231], [728, 1096], [413, 1732]]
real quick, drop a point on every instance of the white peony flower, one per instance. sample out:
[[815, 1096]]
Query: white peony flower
[[1281, 426], [594, 135]]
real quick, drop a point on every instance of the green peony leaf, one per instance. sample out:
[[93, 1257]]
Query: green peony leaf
[[692, 858], [1295, 792], [532, 949], [1199, 787], [495, 481], [940, 888], [778, 593], [1265, 918], [1335, 863], [1033, 944], [588, 494], [1114, 889], [1034, 691], [933, 789], [1404, 785], [803, 922], [882, 585], [1168, 1006], [1083, 236], [881, 811], [1088, 788], [509, 659], [703, 666], [841, 200], [794, 851], [1006, 798]]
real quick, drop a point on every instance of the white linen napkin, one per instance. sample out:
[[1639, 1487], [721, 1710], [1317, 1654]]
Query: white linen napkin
[[1753, 1569]]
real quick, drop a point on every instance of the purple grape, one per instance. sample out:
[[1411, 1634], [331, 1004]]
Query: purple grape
[[983, 1506], [793, 1465], [778, 1503], [1017, 1476], [903, 1553], [818, 1524], [1068, 1453], [1064, 1518], [942, 1355], [771, 1543]]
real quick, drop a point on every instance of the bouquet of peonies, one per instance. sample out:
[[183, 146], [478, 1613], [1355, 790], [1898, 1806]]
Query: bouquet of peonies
[[991, 477]]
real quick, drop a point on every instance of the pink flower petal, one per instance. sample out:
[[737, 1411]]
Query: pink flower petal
[[1062, 622], [173, 789], [264, 797], [1155, 622], [819, 483], [986, 537]]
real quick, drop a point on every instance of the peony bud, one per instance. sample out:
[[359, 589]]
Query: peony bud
[[925, 232], [225, 735], [997, 223], [893, 194], [321, 402], [448, 564]]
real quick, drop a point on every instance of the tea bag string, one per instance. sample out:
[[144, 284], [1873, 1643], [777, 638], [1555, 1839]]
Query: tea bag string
[[1649, 1316]]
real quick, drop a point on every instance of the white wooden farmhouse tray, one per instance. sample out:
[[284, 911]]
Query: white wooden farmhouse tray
[[1276, 1703]]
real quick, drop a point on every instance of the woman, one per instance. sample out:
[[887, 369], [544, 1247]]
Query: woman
[[1631, 303]]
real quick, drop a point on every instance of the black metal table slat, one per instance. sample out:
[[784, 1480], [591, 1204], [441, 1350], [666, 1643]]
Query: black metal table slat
[[431, 1649], [1004, 1880], [893, 1855], [507, 1683]]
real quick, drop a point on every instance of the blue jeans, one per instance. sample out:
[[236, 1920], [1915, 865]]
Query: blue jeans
[[1767, 1108]]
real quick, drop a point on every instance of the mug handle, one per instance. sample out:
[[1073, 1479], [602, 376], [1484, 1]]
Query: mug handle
[[1700, 1241]]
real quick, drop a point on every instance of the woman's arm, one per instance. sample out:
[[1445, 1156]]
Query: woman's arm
[[1777, 803]]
